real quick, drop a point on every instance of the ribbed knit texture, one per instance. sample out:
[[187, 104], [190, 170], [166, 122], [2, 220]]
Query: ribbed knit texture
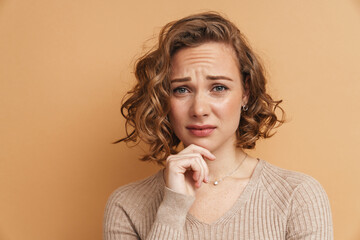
[[275, 204]]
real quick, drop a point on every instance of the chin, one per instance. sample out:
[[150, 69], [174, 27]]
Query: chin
[[212, 144], [209, 145]]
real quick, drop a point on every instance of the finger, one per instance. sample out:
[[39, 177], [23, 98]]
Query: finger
[[195, 176], [206, 170], [183, 162], [201, 176], [195, 167], [191, 155], [193, 163], [189, 163], [197, 149]]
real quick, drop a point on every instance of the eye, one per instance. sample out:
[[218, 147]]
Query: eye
[[180, 90], [219, 88]]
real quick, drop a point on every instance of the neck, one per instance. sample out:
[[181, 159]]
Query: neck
[[227, 160]]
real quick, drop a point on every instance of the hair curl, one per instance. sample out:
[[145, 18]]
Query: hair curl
[[146, 106]]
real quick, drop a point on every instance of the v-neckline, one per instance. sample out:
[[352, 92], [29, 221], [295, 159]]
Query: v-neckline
[[239, 203]]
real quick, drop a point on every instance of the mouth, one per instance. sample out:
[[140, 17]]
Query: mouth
[[201, 130]]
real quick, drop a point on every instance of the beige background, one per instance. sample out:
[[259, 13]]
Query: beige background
[[64, 66]]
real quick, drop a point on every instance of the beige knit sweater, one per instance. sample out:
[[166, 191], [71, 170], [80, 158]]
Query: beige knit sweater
[[275, 204]]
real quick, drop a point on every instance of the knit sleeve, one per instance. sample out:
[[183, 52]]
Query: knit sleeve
[[309, 214], [169, 221], [117, 222], [171, 216]]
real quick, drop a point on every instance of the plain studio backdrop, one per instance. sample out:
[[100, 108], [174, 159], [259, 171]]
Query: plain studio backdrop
[[65, 65]]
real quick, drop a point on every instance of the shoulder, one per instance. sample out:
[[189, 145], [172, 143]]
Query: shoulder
[[289, 188], [302, 202], [282, 178], [138, 195]]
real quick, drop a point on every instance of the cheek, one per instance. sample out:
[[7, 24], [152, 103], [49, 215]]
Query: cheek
[[176, 111], [177, 118], [230, 109]]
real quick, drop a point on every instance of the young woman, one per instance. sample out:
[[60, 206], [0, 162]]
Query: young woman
[[204, 87]]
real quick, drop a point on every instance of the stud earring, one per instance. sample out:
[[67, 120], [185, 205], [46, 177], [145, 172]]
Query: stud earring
[[244, 108]]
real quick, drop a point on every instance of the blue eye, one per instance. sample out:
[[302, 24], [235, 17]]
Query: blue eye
[[219, 88], [180, 90]]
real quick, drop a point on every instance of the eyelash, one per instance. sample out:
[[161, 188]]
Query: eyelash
[[224, 88], [177, 90]]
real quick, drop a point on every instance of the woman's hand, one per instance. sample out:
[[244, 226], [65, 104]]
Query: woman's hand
[[187, 170]]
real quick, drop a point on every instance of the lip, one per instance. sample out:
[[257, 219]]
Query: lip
[[201, 130]]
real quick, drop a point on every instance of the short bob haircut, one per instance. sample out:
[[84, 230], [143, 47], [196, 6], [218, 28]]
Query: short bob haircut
[[146, 106]]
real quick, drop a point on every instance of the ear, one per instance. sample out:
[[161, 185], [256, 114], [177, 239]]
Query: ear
[[246, 89]]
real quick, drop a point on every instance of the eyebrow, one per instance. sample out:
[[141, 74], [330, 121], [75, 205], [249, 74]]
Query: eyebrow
[[209, 77], [218, 78], [186, 79]]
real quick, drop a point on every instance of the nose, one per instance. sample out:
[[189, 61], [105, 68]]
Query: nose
[[200, 106]]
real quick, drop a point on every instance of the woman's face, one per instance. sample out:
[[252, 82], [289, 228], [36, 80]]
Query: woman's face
[[207, 95]]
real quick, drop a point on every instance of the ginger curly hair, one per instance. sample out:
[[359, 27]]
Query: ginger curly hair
[[146, 106]]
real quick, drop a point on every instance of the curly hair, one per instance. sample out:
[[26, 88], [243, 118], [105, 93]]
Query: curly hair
[[146, 106]]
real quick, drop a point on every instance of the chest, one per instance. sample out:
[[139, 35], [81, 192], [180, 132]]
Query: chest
[[213, 202]]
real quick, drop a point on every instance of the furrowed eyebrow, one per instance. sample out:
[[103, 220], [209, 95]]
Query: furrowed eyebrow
[[218, 78], [186, 79]]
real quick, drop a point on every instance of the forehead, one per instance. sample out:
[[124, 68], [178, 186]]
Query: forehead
[[214, 56]]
